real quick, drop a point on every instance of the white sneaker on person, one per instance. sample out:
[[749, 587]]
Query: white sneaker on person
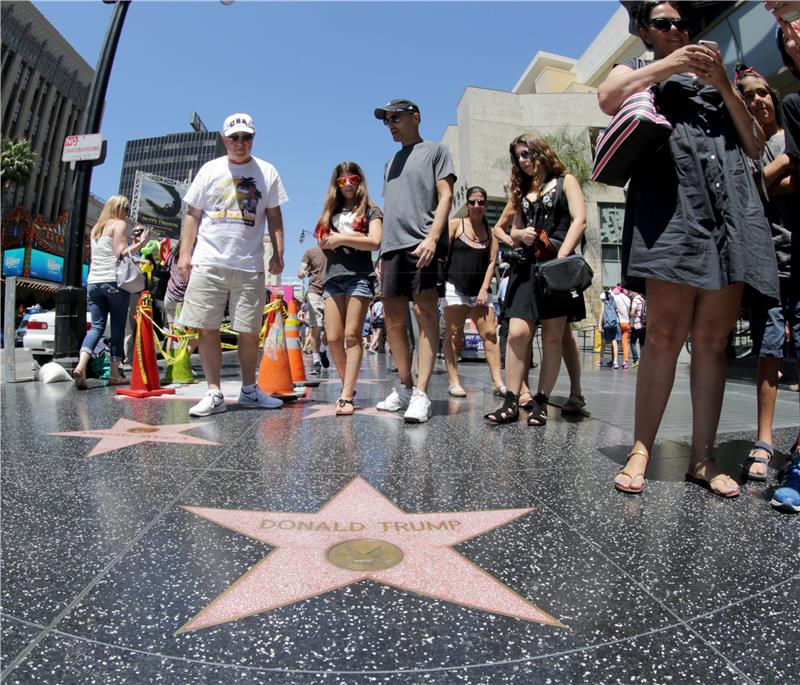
[[258, 398], [397, 399], [419, 408], [212, 403]]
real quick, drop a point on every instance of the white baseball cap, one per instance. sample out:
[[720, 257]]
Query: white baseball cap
[[238, 123]]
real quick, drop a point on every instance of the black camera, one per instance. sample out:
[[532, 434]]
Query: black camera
[[515, 256]]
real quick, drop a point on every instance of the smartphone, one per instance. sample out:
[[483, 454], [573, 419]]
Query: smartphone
[[709, 44], [791, 15]]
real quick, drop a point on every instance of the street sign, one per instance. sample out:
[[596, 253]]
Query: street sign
[[82, 148]]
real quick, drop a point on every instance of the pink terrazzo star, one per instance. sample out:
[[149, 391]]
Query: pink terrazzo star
[[324, 410], [298, 568], [125, 432]]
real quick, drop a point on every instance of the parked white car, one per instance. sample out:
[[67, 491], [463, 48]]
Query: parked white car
[[40, 335]]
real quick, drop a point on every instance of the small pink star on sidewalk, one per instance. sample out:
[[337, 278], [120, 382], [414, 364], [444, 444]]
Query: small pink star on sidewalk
[[361, 535], [125, 433]]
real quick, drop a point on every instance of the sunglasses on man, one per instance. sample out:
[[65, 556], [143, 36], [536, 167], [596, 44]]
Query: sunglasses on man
[[391, 119], [353, 180], [665, 24], [477, 203], [236, 137]]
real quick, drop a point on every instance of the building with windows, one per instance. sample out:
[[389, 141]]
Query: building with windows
[[177, 156], [557, 95], [45, 89]]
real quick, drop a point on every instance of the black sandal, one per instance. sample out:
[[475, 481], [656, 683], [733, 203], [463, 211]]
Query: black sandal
[[508, 413], [342, 407], [538, 415]]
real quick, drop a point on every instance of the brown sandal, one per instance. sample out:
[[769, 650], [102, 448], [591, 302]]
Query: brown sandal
[[345, 407], [630, 490], [693, 477]]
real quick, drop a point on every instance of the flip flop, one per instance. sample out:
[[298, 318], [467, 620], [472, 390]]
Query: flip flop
[[691, 477], [629, 490]]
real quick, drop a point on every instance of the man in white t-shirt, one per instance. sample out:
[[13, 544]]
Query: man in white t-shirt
[[230, 201]]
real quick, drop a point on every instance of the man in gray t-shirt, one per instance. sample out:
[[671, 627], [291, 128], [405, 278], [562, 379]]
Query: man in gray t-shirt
[[418, 194]]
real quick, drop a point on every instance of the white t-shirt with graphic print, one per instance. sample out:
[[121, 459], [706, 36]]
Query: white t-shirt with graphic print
[[234, 199]]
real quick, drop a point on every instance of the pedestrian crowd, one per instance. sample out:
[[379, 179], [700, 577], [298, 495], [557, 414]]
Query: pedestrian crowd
[[706, 215]]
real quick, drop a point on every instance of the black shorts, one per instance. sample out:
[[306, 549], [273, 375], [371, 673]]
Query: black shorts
[[400, 276]]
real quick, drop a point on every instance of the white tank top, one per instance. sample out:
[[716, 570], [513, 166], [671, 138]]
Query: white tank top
[[102, 268]]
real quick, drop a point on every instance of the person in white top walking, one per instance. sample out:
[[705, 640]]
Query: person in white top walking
[[104, 297], [623, 305], [229, 202]]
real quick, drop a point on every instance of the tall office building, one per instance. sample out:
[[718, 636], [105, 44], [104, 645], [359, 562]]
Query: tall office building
[[177, 156], [45, 89]]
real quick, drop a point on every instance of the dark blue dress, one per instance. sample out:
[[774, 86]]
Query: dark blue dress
[[693, 214]]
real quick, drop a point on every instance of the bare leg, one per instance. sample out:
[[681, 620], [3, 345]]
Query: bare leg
[[614, 351], [211, 356], [552, 344], [487, 329], [248, 356], [670, 307], [426, 308], [715, 314], [454, 317], [395, 313], [767, 395], [357, 308], [335, 315], [572, 360], [520, 334]]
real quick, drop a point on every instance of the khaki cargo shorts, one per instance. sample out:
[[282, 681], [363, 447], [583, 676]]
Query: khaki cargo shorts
[[211, 287]]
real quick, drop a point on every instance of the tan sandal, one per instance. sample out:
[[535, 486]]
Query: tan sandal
[[692, 476], [629, 489]]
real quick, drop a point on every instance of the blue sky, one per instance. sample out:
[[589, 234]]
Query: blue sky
[[310, 74]]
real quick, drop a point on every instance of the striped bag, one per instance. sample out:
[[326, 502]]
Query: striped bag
[[635, 130]]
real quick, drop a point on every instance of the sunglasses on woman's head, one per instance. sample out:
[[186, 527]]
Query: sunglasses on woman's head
[[236, 137], [353, 180], [665, 24], [477, 203]]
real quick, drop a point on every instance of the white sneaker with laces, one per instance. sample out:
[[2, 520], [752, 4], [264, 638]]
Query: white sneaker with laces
[[258, 399], [212, 403], [398, 399], [419, 408]]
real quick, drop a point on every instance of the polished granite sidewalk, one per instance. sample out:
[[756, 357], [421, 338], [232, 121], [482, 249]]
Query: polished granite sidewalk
[[292, 546]]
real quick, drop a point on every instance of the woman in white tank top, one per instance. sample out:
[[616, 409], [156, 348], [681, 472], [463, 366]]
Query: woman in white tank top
[[108, 241]]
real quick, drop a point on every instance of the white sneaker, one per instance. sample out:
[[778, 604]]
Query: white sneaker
[[398, 399], [419, 408], [212, 403], [258, 399]]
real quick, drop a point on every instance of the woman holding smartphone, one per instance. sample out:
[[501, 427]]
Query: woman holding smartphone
[[694, 233]]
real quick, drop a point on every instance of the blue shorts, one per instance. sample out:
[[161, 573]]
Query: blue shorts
[[349, 286], [612, 333], [768, 327]]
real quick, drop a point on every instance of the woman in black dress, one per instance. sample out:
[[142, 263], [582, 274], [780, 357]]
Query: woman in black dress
[[549, 221], [694, 233]]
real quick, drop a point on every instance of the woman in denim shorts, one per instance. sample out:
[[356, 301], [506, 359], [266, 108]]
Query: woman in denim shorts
[[348, 230]]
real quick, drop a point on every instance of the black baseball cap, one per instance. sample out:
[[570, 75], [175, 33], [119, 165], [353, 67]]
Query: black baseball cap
[[396, 106]]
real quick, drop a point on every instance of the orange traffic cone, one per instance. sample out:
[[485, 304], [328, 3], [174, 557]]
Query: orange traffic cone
[[274, 373], [294, 348], [144, 377]]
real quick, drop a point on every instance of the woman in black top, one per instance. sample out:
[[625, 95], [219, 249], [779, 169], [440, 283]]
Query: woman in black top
[[694, 233], [470, 269], [348, 230], [549, 221]]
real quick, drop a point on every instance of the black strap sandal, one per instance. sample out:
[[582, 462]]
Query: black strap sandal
[[508, 413], [538, 415], [342, 408]]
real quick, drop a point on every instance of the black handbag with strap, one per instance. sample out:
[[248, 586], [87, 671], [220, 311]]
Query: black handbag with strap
[[566, 274]]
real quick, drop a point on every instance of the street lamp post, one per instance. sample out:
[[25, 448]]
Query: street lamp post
[[71, 297]]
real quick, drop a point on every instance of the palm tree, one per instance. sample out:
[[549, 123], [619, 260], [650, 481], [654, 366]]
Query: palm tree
[[16, 161], [574, 151], [16, 164]]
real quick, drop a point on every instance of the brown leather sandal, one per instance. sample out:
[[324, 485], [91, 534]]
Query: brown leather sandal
[[345, 407]]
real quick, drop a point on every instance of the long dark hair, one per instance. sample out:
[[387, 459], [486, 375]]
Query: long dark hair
[[742, 71], [520, 181]]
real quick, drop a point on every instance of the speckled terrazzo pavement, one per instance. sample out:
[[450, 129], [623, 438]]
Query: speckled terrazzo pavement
[[101, 565]]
